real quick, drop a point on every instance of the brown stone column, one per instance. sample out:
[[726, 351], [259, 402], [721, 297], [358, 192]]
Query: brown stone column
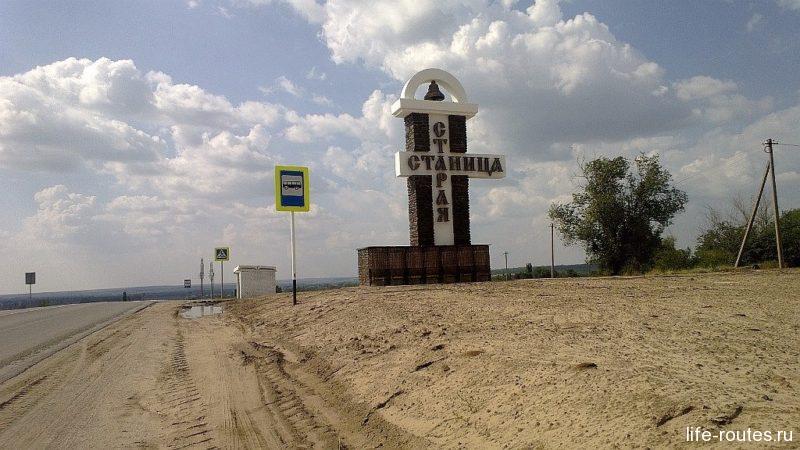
[[420, 210], [460, 183], [420, 206]]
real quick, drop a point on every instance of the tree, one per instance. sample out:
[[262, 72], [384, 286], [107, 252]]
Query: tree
[[790, 233], [719, 241], [667, 257], [619, 214]]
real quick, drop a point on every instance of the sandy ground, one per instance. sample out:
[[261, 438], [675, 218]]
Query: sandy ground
[[29, 335], [570, 363], [157, 380], [608, 362]]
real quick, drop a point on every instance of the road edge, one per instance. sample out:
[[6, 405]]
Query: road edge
[[43, 355]]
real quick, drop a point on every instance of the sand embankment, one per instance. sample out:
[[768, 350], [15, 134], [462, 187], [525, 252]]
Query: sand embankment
[[567, 362], [571, 363]]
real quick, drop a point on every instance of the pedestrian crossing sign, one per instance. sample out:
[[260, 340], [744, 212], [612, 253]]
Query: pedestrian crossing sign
[[222, 254]]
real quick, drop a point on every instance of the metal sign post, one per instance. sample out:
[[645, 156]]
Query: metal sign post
[[30, 280], [292, 194], [211, 278], [294, 270], [552, 254], [202, 276], [222, 254]]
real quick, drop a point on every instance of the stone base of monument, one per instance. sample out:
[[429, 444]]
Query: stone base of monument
[[397, 265]]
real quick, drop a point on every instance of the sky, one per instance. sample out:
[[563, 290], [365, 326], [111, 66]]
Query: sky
[[137, 136]]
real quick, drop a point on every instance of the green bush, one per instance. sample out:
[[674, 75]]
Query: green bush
[[668, 257]]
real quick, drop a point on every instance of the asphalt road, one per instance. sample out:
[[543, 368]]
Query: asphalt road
[[29, 335]]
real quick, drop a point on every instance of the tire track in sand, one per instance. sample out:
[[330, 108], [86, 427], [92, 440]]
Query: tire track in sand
[[180, 404]]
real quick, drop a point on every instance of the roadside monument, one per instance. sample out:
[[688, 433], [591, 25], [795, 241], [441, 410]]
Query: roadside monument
[[438, 169]]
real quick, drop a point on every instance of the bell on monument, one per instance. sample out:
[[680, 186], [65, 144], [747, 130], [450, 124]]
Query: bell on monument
[[434, 93]]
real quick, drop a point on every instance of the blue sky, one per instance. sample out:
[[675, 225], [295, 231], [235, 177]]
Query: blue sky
[[156, 141]]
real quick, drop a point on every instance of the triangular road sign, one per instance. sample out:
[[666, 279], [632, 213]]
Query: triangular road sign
[[221, 254]]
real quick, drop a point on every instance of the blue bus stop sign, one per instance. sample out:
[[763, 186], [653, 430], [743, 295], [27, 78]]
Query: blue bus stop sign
[[291, 188]]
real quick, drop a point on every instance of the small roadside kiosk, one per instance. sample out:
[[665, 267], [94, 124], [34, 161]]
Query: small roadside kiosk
[[254, 281]]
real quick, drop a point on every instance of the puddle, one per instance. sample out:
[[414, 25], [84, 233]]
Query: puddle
[[196, 312]]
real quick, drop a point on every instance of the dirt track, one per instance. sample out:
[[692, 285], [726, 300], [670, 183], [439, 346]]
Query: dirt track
[[546, 363], [156, 380]]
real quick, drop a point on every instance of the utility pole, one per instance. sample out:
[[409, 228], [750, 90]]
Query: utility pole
[[752, 216], [507, 274], [202, 275], [552, 253], [769, 170], [775, 205]]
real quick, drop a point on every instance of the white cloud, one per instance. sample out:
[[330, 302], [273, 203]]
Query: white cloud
[[531, 71], [223, 165], [545, 12], [60, 213], [550, 90], [790, 4], [283, 84], [322, 100], [164, 167], [308, 9], [755, 20], [716, 100], [376, 123], [703, 87], [168, 167], [60, 116], [316, 74], [107, 116], [224, 12]]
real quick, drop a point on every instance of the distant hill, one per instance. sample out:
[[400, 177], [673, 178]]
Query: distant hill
[[580, 269], [16, 301], [315, 284]]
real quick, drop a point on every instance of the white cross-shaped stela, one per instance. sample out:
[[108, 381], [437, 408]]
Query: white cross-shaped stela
[[441, 164]]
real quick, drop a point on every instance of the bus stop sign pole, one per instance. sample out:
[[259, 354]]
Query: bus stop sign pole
[[291, 195], [294, 270]]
